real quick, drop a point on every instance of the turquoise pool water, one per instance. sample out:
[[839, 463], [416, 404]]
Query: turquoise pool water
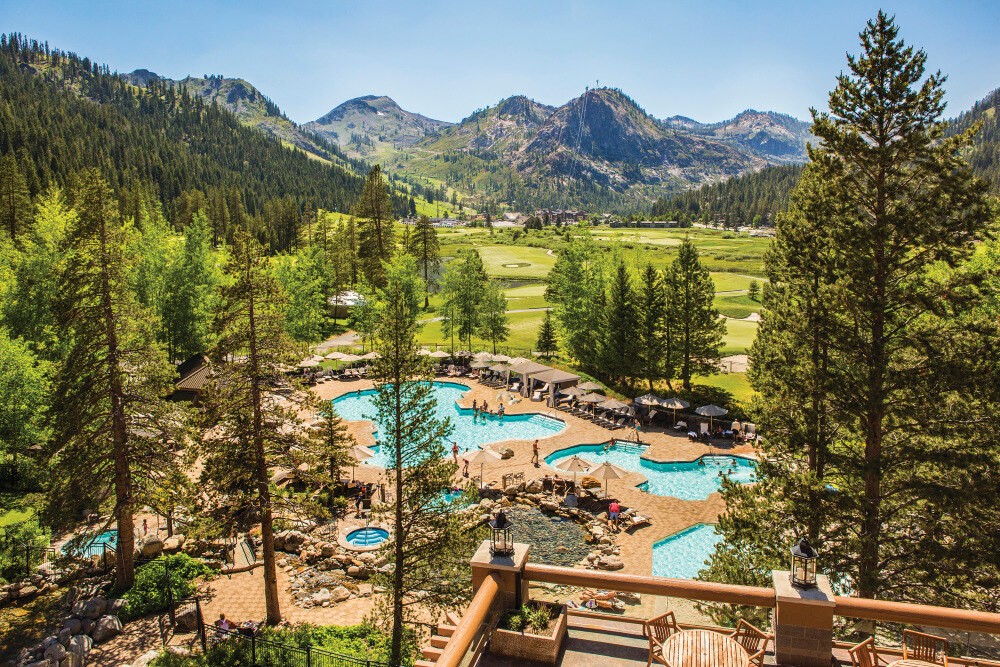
[[94, 547], [470, 432], [367, 537], [689, 480], [683, 554]]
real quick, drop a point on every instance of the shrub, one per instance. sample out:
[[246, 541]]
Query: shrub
[[14, 541], [536, 618], [149, 593]]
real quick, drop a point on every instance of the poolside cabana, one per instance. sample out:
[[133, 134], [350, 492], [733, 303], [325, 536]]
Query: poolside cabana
[[555, 380], [525, 369]]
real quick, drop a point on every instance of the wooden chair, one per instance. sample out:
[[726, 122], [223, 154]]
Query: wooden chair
[[921, 646], [658, 630], [753, 639], [864, 654]]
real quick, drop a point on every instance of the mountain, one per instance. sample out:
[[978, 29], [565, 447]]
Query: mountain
[[372, 125], [775, 136], [984, 155], [249, 105]]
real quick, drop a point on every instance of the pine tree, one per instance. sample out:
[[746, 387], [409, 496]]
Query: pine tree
[[191, 295], [753, 290], [15, 201], [619, 344], [875, 362], [652, 310], [462, 289], [335, 439], [494, 325], [111, 422], [576, 292], [698, 328], [376, 240], [426, 248], [430, 543], [547, 343]]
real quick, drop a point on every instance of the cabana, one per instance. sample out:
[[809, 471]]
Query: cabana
[[554, 379], [525, 369]]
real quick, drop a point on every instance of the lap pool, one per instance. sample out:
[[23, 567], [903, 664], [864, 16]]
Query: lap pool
[[687, 480], [683, 554], [469, 431]]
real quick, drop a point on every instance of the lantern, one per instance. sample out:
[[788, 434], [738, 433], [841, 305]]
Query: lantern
[[804, 564], [501, 536]]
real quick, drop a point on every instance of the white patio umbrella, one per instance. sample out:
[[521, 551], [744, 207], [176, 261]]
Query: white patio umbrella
[[371, 355], [649, 399], [439, 354], [481, 457], [480, 363], [612, 404], [423, 353], [674, 404], [516, 360], [500, 357], [359, 454], [574, 464], [608, 471], [711, 411], [311, 362], [483, 356], [342, 356]]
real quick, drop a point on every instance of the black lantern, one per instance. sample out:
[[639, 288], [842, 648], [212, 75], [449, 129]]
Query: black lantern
[[501, 535], [804, 564]]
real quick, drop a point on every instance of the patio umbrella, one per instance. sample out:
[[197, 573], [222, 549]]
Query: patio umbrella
[[500, 357], [591, 398], [371, 355], [499, 368], [341, 356], [483, 356], [311, 362], [572, 391], [359, 454], [591, 386], [423, 353], [480, 364], [674, 404], [649, 399], [482, 457], [462, 353], [516, 360], [574, 464], [608, 471], [439, 354], [612, 404], [711, 411]]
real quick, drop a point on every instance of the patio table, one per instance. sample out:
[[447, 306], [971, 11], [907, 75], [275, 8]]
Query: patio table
[[704, 648], [911, 662]]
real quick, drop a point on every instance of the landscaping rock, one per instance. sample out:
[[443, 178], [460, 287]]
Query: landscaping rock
[[506, 453], [86, 626], [55, 652], [93, 609], [610, 563], [328, 549], [533, 486], [174, 544], [73, 625], [341, 593], [151, 546], [115, 606], [186, 618], [64, 636], [146, 658], [293, 541], [80, 644], [106, 628]]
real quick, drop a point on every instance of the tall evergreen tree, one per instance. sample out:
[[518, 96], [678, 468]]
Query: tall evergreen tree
[[494, 325], [15, 200], [462, 289], [619, 344], [698, 328], [192, 293], [652, 311], [547, 343], [429, 542], [575, 290], [376, 239], [426, 248], [111, 424], [886, 358]]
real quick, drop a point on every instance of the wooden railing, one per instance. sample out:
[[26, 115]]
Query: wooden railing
[[918, 614], [475, 615]]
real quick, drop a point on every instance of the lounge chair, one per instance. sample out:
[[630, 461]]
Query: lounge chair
[[925, 647], [632, 519], [703, 431], [753, 639], [537, 396], [515, 388], [749, 432], [658, 630], [681, 426]]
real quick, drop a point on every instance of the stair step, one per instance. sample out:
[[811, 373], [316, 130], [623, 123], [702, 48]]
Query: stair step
[[423, 663], [446, 630], [453, 618], [431, 653], [437, 641]]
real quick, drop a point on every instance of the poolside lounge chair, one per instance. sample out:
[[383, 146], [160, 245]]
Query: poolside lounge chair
[[753, 639], [681, 426], [749, 432], [703, 431], [658, 630], [864, 654], [925, 647], [632, 519]]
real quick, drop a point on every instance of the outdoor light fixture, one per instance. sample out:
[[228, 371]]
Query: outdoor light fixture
[[501, 535], [804, 564]]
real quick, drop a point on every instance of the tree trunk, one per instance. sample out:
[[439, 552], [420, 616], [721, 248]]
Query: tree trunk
[[396, 647]]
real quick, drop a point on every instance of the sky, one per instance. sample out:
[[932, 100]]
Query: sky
[[708, 60]]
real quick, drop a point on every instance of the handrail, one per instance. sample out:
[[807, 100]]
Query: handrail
[[918, 614], [690, 589], [475, 615]]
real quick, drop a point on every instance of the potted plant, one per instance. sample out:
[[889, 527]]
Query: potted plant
[[533, 632]]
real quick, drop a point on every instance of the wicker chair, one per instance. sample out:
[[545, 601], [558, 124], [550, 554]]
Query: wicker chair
[[921, 646], [864, 654], [753, 639], [658, 630]]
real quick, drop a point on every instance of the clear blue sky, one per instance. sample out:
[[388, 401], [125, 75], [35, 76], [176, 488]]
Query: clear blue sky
[[708, 60]]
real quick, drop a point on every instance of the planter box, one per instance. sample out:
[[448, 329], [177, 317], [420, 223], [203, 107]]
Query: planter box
[[527, 646]]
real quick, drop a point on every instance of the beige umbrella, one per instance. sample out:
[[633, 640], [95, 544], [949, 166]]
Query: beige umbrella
[[483, 356], [311, 362], [591, 398], [649, 399], [591, 386], [482, 457], [462, 354], [711, 411], [674, 404], [612, 404], [342, 356], [500, 357], [359, 454], [516, 360], [423, 353], [608, 471], [574, 464], [480, 364], [572, 391], [439, 354], [371, 355]]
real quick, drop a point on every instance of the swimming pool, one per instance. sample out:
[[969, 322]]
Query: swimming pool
[[683, 554], [470, 432], [687, 480], [367, 537], [93, 547]]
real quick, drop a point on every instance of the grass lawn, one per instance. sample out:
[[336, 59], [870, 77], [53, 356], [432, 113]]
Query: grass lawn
[[734, 383], [526, 296], [735, 304], [511, 261], [732, 282], [13, 516], [523, 334], [739, 337]]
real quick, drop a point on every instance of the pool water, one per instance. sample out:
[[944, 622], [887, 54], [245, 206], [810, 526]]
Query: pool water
[[683, 554], [688, 480], [469, 431], [94, 547], [367, 537]]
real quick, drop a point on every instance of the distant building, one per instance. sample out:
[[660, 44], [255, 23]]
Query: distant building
[[193, 374]]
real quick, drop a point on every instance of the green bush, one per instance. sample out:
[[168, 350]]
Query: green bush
[[536, 618], [14, 539], [149, 593]]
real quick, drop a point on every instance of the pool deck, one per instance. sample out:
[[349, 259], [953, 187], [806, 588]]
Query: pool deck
[[668, 515]]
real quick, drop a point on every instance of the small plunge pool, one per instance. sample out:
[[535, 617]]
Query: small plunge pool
[[367, 537]]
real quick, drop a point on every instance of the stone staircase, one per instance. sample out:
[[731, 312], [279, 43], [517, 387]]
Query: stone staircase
[[438, 641]]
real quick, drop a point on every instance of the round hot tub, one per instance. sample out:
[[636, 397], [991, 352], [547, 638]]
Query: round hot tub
[[367, 537]]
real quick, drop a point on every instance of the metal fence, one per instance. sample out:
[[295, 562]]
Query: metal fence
[[256, 651]]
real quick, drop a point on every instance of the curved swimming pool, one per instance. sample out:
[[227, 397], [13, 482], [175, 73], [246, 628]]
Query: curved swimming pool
[[683, 554], [687, 480], [470, 431], [92, 547], [367, 537]]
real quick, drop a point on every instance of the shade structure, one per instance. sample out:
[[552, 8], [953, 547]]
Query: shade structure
[[572, 391], [591, 398], [423, 353], [359, 454], [311, 362], [554, 375], [608, 471], [529, 367], [481, 457], [483, 356], [711, 411], [592, 386], [462, 354], [480, 364], [574, 464], [674, 404], [342, 356], [439, 354], [649, 399], [513, 361], [501, 357], [612, 404], [499, 368]]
